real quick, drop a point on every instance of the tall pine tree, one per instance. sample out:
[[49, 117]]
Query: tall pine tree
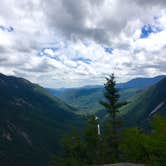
[[112, 105]]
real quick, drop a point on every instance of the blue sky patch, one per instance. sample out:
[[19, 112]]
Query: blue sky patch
[[6, 29], [43, 53], [148, 29], [85, 60], [108, 49]]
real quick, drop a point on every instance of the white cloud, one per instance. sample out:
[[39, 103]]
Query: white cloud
[[62, 43]]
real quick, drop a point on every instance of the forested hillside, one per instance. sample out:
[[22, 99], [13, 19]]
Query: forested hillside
[[32, 123], [147, 103]]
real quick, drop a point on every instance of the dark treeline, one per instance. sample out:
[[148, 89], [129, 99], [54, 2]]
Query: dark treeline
[[114, 144]]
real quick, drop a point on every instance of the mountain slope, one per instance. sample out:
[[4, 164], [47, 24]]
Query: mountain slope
[[87, 98], [141, 107], [84, 99], [31, 122], [141, 82]]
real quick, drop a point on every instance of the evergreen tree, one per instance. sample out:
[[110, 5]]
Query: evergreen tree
[[81, 149], [92, 141], [73, 151], [91, 148], [112, 105], [147, 147]]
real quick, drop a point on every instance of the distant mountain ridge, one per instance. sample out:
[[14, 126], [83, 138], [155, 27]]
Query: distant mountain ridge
[[32, 121], [87, 98], [141, 82]]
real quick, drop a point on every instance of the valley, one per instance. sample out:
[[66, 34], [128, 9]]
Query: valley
[[33, 120]]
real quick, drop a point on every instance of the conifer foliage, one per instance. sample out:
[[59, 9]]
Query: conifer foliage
[[114, 144], [112, 105], [90, 147]]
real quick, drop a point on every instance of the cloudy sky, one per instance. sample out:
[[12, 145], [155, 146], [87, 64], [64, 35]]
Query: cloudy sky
[[69, 43]]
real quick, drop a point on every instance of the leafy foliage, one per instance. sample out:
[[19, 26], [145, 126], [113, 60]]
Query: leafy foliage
[[149, 148], [81, 149]]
